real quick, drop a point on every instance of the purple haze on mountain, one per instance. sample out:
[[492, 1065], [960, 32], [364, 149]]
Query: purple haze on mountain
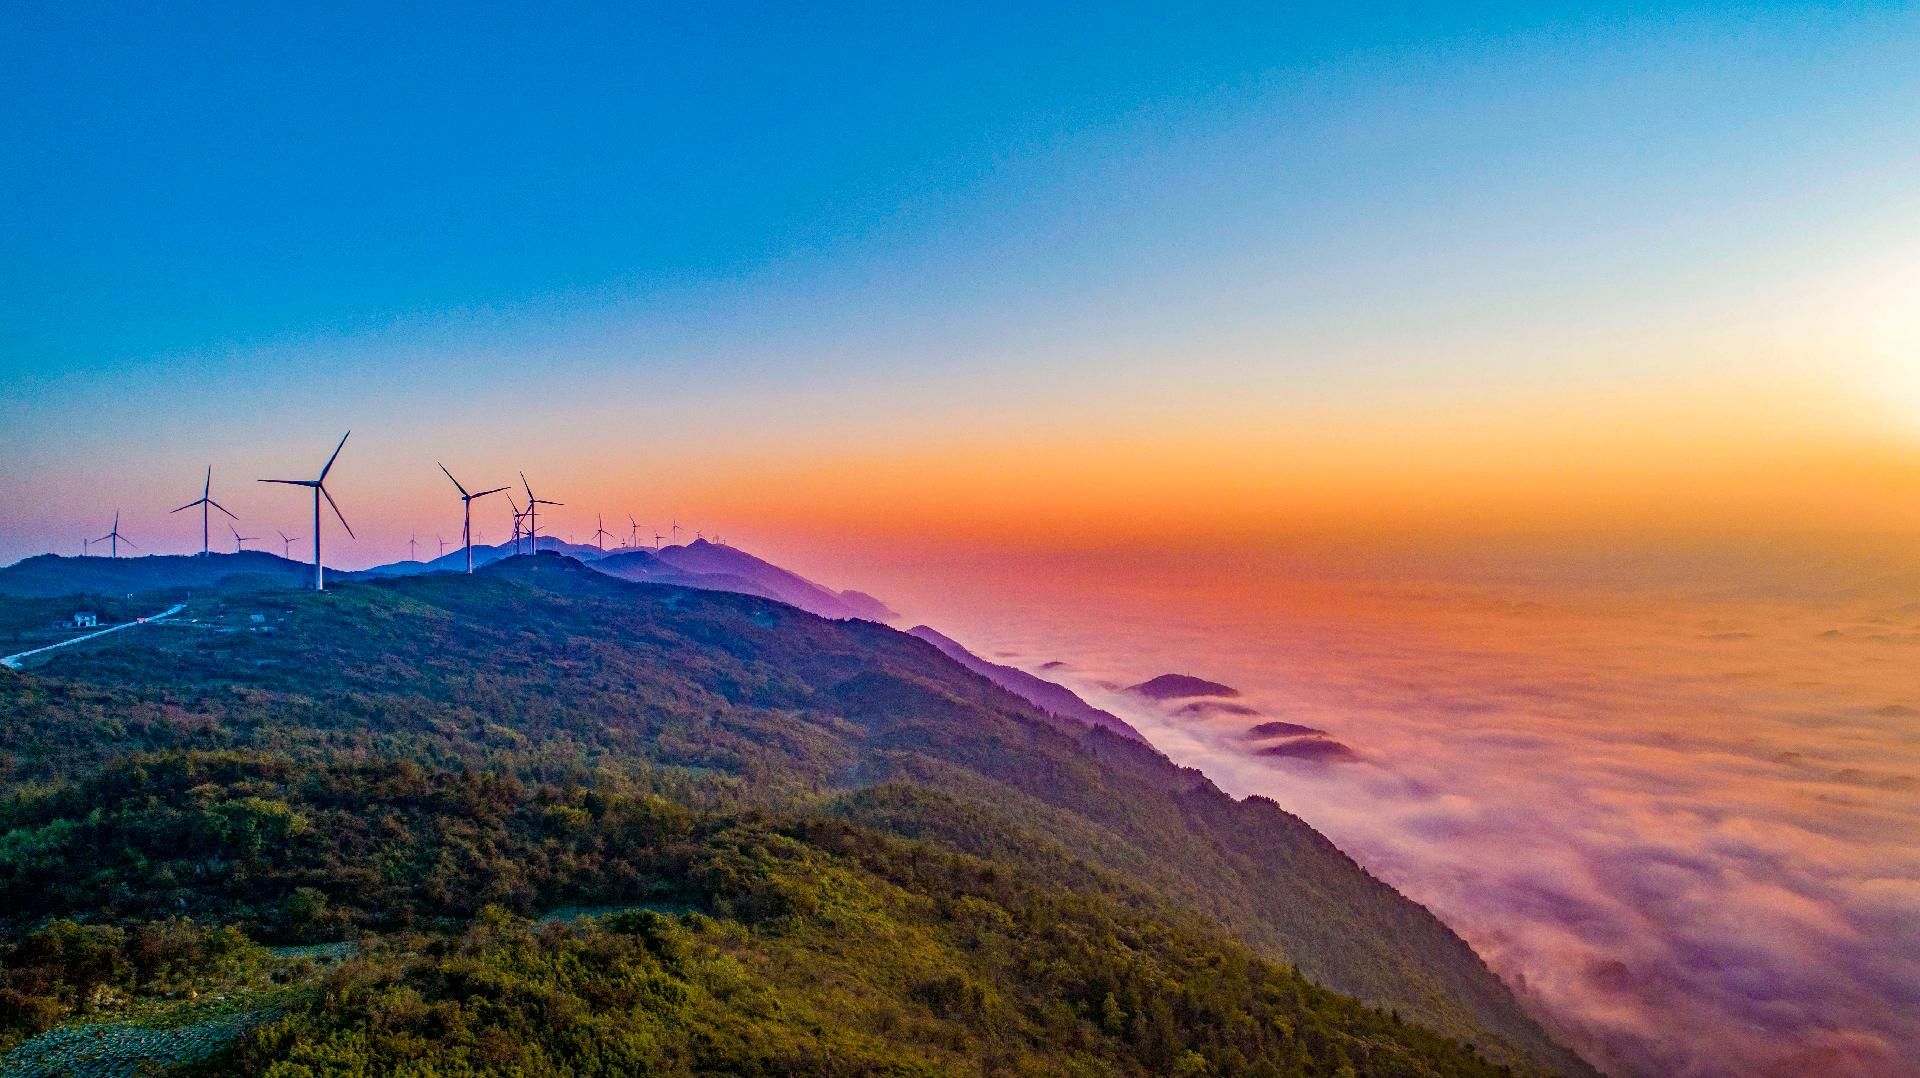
[[1179, 687], [707, 559], [1056, 700]]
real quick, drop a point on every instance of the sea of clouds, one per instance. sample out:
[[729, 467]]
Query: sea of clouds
[[1686, 829]]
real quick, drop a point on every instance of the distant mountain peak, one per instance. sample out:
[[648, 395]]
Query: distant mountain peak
[[1180, 687]]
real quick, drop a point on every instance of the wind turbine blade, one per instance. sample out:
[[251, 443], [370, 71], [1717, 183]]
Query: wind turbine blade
[[456, 482], [524, 483], [130, 542], [290, 482], [484, 493], [207, 491], [220, 507], [336, 512], [189, 505], [336, 456]]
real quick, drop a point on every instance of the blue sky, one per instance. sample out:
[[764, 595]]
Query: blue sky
[[833, 230]]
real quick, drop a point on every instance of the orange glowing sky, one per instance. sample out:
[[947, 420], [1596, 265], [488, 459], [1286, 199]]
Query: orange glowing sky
[[1239, 278], [1530, 396]]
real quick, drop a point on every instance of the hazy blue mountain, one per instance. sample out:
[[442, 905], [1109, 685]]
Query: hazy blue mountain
[[455, 559], [646, 567], [867, 606], [708, 559]]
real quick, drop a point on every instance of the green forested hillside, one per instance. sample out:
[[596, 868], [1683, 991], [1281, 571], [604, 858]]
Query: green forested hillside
[[48, 575], [836, 851]]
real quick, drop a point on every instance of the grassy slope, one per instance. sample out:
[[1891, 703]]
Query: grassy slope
[[798, 943], [553, 672]]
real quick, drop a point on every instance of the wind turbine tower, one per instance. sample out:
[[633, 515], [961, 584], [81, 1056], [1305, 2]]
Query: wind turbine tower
[[205, 502], [466, 510], [320, 491], [114, 538], [533, 514], [518, 516]]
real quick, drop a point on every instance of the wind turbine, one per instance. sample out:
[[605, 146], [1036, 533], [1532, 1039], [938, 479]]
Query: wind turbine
[[633, 534], [466, 508], [676, 531], [656, 540], [517, 517], [442, 542], [320, 491], [239, 539], [413, 544], [114, 538], [601, 534], [533, 514], [286, 544], [206, 500]]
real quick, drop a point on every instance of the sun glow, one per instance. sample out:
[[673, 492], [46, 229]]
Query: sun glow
[[1900, 378], [1887, 316]]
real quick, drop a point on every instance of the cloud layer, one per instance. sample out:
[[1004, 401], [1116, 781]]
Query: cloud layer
[[1686, 830]]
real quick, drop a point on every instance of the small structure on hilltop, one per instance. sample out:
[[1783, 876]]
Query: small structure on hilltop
[[85, 619]]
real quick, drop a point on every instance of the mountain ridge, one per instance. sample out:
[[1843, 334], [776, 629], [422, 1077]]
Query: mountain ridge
[[790, 702], [700, 564], [1051, 697]]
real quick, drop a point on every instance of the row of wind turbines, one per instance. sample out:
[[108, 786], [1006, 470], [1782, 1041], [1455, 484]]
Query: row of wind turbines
[[526, 522]]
